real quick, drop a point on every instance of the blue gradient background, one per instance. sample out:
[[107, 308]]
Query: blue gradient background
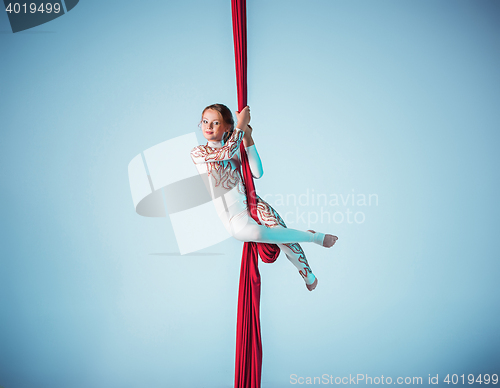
[[394, 98]]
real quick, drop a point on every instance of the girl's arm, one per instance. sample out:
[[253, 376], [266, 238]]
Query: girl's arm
[[254, 161], [253, 156], [206, 154]]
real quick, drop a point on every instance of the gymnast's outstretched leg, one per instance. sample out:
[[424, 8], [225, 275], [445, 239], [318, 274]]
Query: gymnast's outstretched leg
[[244, 228]]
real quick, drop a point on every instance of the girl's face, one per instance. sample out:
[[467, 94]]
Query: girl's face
[[213, 126]]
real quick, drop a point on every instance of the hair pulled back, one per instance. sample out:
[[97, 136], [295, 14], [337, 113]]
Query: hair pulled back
[[226, 115]]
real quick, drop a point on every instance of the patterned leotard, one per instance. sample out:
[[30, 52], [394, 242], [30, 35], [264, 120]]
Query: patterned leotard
[[219, 164]]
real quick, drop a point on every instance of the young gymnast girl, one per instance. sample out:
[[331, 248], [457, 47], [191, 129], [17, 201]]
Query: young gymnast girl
[[218, 162]]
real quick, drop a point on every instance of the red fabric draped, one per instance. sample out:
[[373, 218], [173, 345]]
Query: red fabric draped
[[248, 341]]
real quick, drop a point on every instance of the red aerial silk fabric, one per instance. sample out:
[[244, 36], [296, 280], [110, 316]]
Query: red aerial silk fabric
[[248, 340]]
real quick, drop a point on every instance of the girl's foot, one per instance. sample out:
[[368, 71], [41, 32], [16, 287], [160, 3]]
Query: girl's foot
[[328, 240], [312, 286], [310, 279]]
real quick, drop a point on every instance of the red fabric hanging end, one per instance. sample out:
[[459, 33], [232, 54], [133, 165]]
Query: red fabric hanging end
[[248, 364]]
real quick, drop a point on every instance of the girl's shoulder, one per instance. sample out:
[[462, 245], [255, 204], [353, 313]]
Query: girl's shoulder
[[200, 148]]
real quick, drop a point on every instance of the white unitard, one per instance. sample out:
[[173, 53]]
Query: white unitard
[[219, 164]]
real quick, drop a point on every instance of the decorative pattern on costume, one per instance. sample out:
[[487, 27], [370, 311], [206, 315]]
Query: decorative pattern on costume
[[270, 218], [225, 175], [297, 249], [206, 154], [268, 215], [222, 163]]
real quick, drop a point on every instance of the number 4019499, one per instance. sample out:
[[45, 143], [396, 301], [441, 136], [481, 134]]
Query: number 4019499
[[471, 379], [33, 8]]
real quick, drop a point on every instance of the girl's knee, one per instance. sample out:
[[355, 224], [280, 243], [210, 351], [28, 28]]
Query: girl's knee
[[238, 237], [249, 233], [258, 234]]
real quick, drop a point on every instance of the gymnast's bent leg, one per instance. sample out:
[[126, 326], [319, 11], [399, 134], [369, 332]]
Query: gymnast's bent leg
[[246, 229], [293, 251]]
